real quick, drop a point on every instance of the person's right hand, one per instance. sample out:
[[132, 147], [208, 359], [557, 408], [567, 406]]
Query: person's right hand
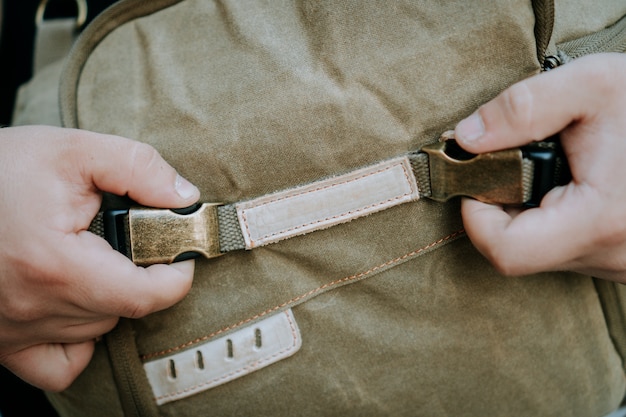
[[61, 287], [580, 226]]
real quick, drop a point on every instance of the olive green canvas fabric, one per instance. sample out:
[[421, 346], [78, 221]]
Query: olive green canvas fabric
[[399, 314]]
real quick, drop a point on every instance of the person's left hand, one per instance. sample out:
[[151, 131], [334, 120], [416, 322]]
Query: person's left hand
[[60, 285]]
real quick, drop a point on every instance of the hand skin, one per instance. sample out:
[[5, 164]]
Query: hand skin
[[578, 227], [61, 287]]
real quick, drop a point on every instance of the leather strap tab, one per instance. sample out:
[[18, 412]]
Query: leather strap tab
[[327, 203], [218, 361]]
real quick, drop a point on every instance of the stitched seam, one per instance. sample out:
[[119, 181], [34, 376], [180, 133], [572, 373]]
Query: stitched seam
[[245, 369], [369, 174], [302, 296]]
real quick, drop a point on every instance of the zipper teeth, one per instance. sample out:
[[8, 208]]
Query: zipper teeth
[[611, 39], [551, 62], [544, 24]]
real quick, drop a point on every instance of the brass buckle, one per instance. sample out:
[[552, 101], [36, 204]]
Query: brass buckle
[[163, 236], [495, 177]]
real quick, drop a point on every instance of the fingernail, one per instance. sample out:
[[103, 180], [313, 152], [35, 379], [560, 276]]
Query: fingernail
[[184, 188], [470, 129]]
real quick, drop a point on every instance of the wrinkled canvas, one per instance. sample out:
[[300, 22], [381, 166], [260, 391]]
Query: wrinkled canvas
[[399, 315]]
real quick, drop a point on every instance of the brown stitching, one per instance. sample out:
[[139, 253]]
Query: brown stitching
[[305, 295], [245, 369], [335, 184]]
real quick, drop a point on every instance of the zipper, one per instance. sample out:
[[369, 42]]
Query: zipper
[[611, 39], [551, 62], [544, 25]]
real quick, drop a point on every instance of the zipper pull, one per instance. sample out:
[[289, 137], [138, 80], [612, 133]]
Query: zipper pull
[[551, 62]]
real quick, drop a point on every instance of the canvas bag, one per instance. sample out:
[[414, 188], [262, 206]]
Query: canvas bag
[[393, 314]]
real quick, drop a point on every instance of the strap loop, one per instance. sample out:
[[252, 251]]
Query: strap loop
[[81, 16]]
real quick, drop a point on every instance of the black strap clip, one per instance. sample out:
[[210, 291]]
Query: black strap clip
[[550, 168]]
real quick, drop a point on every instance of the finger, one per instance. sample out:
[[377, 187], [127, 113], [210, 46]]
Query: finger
[[112, 285], [122, 166], [51, 367], [532, 241], [487, 227], [536, 108], [67, 328], [79, 332]]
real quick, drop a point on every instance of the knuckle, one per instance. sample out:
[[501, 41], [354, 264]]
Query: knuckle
[[506, 268], [20, 310], [136, 310], [19, 304], [128, 305], [615, 267], [142, 161], [143, 155], [61, 385], [503, 262], [518, 103]]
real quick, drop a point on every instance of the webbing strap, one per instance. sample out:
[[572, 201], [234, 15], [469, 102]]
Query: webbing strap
[[230, 235]]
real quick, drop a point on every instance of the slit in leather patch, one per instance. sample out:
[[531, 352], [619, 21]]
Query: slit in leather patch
[[326, 203], [221, 360]]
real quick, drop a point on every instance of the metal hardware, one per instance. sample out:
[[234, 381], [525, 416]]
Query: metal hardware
[[161, 235], [495, 177], [149, 236], [442, 170], [551, 62], [550, 168], [81, 17]]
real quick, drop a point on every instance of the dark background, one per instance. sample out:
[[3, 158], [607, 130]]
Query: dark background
[[17, 398], [18, 37]]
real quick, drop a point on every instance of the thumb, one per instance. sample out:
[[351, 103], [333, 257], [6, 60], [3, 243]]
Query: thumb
[[122, 166], [535, 108], [51, 366]]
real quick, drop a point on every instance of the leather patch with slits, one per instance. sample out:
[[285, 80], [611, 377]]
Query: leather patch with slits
[[221, 360]]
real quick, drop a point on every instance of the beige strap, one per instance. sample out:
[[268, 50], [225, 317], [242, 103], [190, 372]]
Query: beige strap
[[326, 203]]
